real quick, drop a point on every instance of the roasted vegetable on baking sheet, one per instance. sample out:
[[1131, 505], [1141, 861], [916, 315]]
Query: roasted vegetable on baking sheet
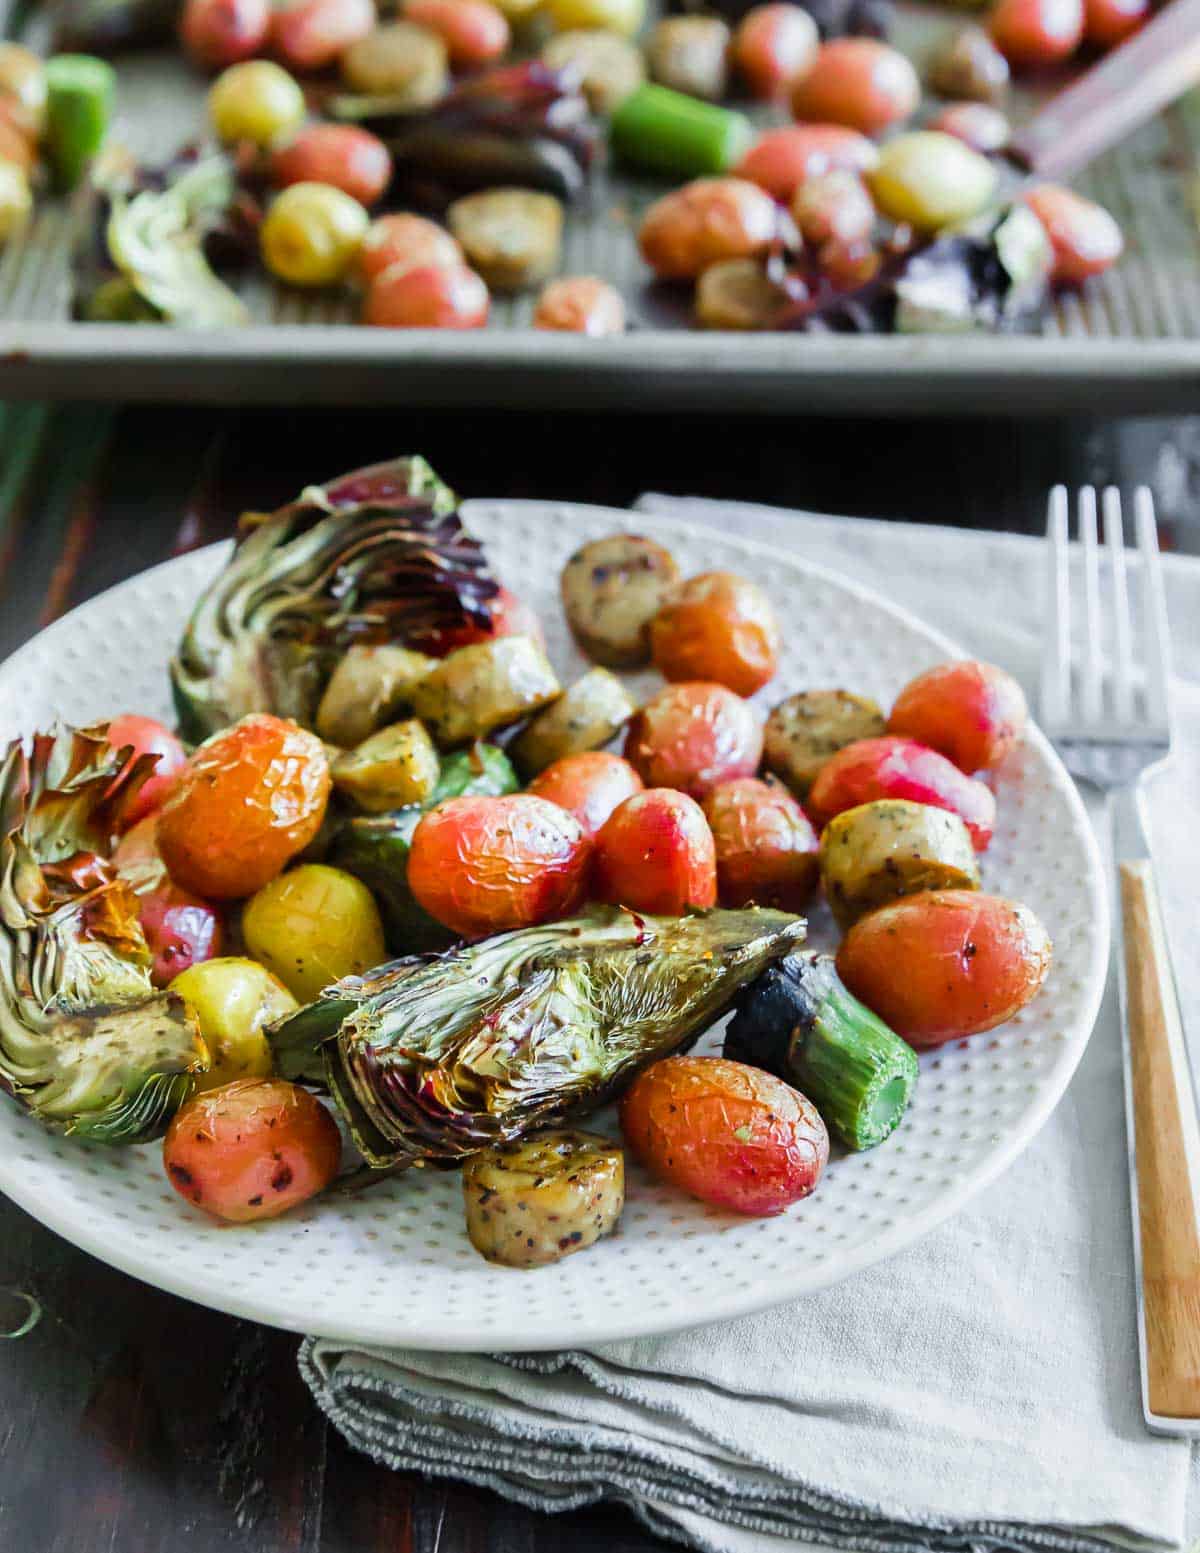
[[437, 1059], [86, 1043], [370, 559], [153, 239], [525, 125], [799, 1022]]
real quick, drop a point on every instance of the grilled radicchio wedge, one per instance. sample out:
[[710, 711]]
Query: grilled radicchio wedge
[[525, 125], [86, 1043], [375, 557], [434, 1059]]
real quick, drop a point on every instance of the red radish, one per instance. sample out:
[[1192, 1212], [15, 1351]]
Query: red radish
[[971, 712], [727, 1133], [217, 33], [251, 1149], [349, 158], [692, 736], [655, 853], [589, 786], [780, 160], [893, 767], [484, 865], [428, 296], [859, 82], [147, 737], [945, 963], [1085, 238], [774, 44], [766, 846], [1034, 33]]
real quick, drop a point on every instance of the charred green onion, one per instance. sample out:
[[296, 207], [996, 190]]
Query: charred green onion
[[79, 98], [798, 1021], [668, 132]]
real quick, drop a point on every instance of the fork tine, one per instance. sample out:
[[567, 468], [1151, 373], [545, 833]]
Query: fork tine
[[1154, 604], [1122, 658], [1056, 648], [1093, 636]]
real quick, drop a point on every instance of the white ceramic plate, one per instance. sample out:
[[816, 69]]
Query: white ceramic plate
[[394, 1265]]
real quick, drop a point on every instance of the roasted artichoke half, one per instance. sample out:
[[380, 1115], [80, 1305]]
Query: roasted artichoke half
[[86, 1043], [435, 1058], [377, 556]]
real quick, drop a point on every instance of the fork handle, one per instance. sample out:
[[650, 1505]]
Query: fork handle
[[1167, 1144]]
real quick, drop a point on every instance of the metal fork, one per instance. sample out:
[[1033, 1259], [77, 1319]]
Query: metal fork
[[1111, 730]]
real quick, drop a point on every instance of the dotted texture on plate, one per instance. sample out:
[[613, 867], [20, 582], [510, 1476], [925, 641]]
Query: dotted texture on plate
[[394, 1265]]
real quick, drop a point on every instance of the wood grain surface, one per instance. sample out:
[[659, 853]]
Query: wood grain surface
[[134, 1422], [1168, 1152]]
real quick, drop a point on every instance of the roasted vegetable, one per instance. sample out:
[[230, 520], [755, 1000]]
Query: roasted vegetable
[[483, 687], [375, 848], [393, 768], [533, 1202], [691, 54], [374, 557], [252, 1149], [86, 1043], [612, 589], [434, 1060], [365, 691], [875, 852], [249, 801], [79, 100], [585, 716], [313, 925], [717, 626], [526, 126], [610, 67], [233, 999], [655, 853], [490, 865], [512, 237], [973, 713], [892, 767], [589, 786], [693, 735], [946, 964], [798, 1021], [992, 275], [155, 239], [726, 1133], [806, 729], [668, 132], [400, 61]]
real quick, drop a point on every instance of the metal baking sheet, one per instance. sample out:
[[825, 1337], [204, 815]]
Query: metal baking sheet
[[1130, 342]]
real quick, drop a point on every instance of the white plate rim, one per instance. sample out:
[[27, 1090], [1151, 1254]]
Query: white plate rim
[[79, 1231]]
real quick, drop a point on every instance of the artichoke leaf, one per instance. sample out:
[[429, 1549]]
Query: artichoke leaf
[[86, 1043], [371, 558], [156, 240], [432, 1059]]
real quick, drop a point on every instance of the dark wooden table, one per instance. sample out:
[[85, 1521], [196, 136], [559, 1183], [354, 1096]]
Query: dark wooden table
[[134, 1422]]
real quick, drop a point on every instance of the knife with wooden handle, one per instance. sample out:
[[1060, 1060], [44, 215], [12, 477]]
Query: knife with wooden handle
[[1130, 85]]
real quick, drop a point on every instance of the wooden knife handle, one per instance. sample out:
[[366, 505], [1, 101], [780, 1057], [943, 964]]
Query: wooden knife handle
[[1159, 63], [1167, 1144]]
